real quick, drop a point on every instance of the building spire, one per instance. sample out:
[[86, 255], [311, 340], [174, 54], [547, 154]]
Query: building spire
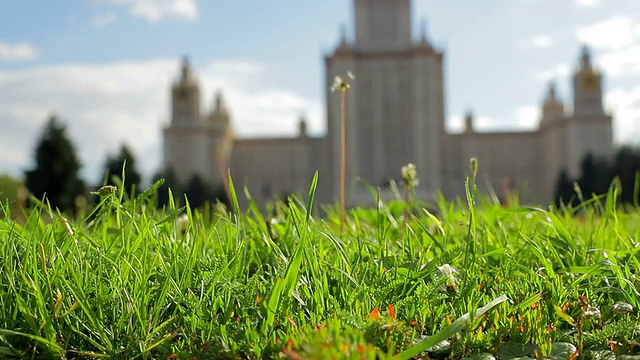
[[219, 106], [468, 122], [186, 69], [585, 59], [302, 126], [219, 110], [552, 107], [423, 31], [343, 34], [551, 94]]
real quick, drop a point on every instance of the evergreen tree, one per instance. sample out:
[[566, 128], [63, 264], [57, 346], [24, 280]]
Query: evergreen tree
[[595, 176], [564, 193], [626, 166], [198, 192], [114, 166], [57, 169]]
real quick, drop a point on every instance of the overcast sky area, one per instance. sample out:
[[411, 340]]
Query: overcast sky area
[[105, 66]]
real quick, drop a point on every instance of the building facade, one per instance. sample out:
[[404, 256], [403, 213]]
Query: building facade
[[395, 115]]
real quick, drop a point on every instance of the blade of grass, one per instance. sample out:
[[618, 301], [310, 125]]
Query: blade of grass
[[458, 325]]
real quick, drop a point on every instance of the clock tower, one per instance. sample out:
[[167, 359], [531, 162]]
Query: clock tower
[[588, 130], [587, 88]]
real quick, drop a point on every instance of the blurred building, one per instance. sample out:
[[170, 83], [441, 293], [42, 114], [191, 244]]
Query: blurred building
[[395, 115]]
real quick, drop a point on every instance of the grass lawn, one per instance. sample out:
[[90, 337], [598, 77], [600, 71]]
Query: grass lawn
[[463, 279]]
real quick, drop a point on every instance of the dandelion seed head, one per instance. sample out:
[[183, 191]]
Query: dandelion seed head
[[448, 275], [342, 84], [410, 175]]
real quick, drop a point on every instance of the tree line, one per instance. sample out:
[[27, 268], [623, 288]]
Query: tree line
[[56, 175], [596, 176]]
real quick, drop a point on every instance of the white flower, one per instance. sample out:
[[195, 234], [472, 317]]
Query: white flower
[[621, 307], [591, 313], [182, 223]]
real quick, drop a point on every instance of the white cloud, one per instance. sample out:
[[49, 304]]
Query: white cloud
[[536, 42], [104, 19], [486, 123], [527, 116], [542, 41], [106, 105], [621, 63], [560, 71], [257, 109], [156, 10], [17, 51], [624, 104], [615, 33], [586, 3], [455, 123], [619, 41]]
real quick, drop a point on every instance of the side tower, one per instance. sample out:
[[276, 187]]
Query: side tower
[[192, 141], [185, 98], [221, 138], [395, 108], [553, 147]]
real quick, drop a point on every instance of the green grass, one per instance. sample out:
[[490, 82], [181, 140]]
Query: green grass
[[128, 283]]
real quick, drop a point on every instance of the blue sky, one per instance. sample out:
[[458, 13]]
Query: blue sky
[[105, 66]]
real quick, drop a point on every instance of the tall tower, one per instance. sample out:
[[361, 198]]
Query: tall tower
[[395, 107], [587, 88], [589, 130], [383, 24]]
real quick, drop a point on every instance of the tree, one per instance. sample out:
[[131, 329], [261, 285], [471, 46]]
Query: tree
[[57, 171], [565, 193], [595, 176], [198, 192], [626, 166], [114, 167]]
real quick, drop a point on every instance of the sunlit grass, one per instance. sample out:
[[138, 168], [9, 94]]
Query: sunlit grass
[[457, 279]]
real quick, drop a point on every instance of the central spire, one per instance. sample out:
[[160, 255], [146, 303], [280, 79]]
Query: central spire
[[383, 25]]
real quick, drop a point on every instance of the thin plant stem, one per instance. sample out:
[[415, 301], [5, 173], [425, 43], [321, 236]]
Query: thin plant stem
[[407, 191], [224, 173], [342, 161]]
